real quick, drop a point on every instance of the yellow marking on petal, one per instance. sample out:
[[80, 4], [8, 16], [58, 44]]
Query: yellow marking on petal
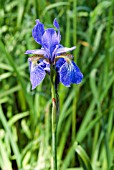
[[37, 57], [66, 56]]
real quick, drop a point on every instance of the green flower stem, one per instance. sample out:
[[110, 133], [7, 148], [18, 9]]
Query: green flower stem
[[54, 119]]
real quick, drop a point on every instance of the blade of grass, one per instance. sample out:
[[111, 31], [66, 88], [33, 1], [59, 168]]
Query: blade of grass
[[6, 162], [22, 82], [13, 143], [54, 5], [17, 117], [81, 152]]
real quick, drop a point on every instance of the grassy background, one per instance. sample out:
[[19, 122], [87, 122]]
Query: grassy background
[[85, 128]]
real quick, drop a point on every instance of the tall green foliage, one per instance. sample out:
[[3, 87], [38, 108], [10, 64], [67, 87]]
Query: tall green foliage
[[85, 128]]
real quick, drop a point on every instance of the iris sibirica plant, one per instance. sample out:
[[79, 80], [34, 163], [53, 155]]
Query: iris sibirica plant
[[53, 59]]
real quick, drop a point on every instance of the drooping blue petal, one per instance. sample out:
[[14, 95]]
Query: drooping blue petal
[[40, 51], [50, 41], [65, 74], [64, 49], [45, 65], [70, 74], [38, 31], [59, 63], [37, 74], [76, 75]]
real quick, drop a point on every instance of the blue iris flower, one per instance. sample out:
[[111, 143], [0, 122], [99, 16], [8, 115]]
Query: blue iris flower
[[51, 53]]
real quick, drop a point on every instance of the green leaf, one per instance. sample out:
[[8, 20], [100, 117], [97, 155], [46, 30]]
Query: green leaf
[[81, 152]]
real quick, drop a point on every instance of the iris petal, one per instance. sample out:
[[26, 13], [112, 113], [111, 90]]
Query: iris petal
[[50, 41], [76, 75], [59, 63], [70, 73], [41, 51], [37, 74], [38, 32], [65, 74], [45, 65], [55, 23], [64, 50]]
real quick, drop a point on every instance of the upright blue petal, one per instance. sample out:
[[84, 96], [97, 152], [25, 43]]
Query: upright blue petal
[[55, 23], [37, 74], [50, 41], [38, 32], [70, 74]]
